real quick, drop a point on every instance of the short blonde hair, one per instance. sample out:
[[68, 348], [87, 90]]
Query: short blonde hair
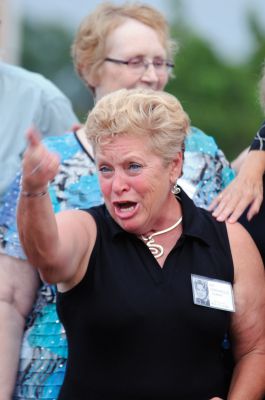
[[88, 49], [140, 112]]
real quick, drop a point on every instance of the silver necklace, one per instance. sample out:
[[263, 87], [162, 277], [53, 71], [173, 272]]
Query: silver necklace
[[156, 249]]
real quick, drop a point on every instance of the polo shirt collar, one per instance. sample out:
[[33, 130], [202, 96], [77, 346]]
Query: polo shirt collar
[[194, 221]]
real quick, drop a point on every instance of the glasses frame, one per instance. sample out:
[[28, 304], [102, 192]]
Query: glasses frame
[[145, 64]]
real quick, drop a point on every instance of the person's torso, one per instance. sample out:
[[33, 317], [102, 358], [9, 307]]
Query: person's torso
[[133, 329]]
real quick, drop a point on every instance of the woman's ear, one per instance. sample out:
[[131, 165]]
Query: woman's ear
[[91, 80], [176, 167]]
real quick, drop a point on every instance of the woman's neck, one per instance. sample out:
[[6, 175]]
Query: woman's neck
[[161, 241], [170, 216]]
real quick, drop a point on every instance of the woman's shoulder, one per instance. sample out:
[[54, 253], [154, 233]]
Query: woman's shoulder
[[99, 213], [199, 141], [106, 225]]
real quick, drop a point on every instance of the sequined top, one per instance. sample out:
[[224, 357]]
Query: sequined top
[[206, 171], [44, 349]]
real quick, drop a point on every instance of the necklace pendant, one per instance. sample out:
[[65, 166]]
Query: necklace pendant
[[156, 249]]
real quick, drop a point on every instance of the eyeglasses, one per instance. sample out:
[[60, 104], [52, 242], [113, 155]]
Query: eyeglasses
[[140, 64]]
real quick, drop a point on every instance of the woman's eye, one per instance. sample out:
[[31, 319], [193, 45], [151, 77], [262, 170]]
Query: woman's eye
[[158, 62], [104, 169], [135, 61], [135, 167]]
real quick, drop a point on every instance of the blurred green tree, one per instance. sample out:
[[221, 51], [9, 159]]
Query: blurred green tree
[[220, 98]]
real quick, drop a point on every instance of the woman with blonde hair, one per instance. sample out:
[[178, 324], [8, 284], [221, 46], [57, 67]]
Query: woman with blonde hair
[[125, 270], [116, 46]]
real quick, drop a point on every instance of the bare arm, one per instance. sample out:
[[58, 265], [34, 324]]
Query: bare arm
[[18, 288], [59, 246], [248, 322], [245, 190]]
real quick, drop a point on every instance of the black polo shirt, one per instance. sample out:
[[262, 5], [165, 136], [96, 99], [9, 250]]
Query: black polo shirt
[[132, 327]]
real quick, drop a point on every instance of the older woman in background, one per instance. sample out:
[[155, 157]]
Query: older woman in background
[[125, 271]]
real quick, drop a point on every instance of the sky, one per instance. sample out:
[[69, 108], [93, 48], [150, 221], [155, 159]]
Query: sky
[[221, 22]]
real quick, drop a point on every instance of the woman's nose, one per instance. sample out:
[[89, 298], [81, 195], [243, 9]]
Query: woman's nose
[[150, 73], [119, 183]]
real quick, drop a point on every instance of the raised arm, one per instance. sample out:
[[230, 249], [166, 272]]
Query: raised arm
[[59, 246], [248, 322]]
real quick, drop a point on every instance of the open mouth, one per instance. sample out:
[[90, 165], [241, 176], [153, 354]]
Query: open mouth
[[124, 206], [125, 209]]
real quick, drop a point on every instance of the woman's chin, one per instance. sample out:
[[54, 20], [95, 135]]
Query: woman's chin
[[130, 225]]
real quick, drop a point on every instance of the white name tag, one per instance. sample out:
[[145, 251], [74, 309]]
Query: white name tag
[[213, 293]]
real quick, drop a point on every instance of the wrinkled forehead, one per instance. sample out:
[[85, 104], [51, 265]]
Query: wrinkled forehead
[[133, 38], [123, 140]]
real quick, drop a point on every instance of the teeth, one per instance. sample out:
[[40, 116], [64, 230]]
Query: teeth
[[126, 209]]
